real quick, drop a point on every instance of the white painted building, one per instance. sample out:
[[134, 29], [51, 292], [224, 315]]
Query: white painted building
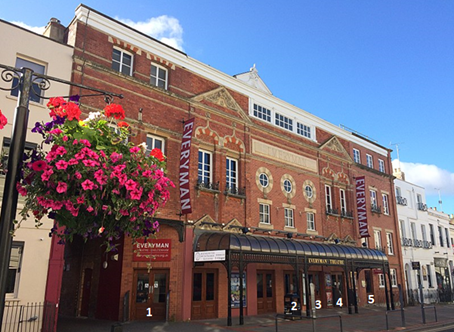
[[426, 244], [27, 275]]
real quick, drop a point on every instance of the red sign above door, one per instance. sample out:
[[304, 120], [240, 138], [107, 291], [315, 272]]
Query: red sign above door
[[152, 250]]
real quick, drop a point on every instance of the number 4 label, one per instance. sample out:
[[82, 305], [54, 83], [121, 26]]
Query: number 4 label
[[339, 302]]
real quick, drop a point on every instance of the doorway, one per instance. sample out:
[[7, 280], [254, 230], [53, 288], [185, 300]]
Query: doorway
[[150, 294], [338, 289], [265, 292], [204, 294]]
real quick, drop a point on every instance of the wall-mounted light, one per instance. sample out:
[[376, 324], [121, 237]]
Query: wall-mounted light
[[139, 117]]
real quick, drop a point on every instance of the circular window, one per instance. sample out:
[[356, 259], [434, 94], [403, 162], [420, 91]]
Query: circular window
[[288, 186], [309, 192], [264, 181]]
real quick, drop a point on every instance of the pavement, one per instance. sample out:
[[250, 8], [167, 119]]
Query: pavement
[[437, 318]]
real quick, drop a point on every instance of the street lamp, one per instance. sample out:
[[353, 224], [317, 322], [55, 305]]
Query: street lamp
[[25, 80]]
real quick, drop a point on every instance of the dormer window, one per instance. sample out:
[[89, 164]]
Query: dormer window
[[122, 61], [158, 76]]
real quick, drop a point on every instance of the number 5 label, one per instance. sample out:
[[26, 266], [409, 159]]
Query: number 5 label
[[370, 299]]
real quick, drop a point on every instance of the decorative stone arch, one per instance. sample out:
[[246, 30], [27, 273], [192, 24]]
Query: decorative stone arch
[[342, 177], [234, 226], [207, 135], [233, 143], [207, 223], [327, 172]]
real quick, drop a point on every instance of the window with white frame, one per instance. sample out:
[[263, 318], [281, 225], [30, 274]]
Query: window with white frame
[[289, 221], [381, 165], [373, 199], [328, 199], [447, 237], [122, 61], [423, 232], [390, 244], [370, 162], [283, 121], [13, 274], [288, 187], [377, 239], [381, 280], [440, 236], [413, 231], [343, 202], [356, 156], [264, 180], [310, 217], [231, 174], [393, 275], [264, 213], [28, 147], [155, 142], [204, 167], [432, 234], [262, 113], [429, 276], [403, 230], [158, 76], [385, 203], [35, 90], [303, 130]]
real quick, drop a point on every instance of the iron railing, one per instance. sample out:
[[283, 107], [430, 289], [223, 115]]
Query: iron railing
[[205, 185], [430, 296], [29, 317], [401, 200]]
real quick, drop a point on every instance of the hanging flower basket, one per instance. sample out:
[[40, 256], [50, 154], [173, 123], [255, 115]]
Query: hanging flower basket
[[92, 180]]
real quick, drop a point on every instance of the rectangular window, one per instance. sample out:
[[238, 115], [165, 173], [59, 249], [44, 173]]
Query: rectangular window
[[303, 130], [204, 168], [377, 239], [373, 199], [289, 222], [328, 199], [393, 275], [122, 62], [423, 232], [429, 276], [343, 202], [389, 240], [158, 76], [356, 156], [440, 236], [403, 231], [413, 231], [381, 280], [15, 261], [264, 216], [432, 234], [231, 174], [310, 217], [5, 153], [262, 113], [35, 90], [447, 237], [381, 165], [154, 142], [283, 121], [370, 162], [385, 204]]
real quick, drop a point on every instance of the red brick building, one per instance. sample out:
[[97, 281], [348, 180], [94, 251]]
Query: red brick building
[[268, 199]]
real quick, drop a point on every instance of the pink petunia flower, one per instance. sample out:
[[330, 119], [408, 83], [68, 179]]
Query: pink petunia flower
[[46, 175], [62, 187], [114, 157], [61, 164], [88, 185], [130, 184]]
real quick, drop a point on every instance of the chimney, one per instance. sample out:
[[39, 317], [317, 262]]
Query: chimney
[[399, 174], [55, 30]]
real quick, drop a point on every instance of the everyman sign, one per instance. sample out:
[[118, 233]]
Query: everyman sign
[[361, 210]]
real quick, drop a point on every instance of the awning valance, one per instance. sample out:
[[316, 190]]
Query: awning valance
[[267, 245]]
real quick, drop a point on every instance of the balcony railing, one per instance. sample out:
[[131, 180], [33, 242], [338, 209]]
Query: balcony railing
[[401, 200], [375, 208], [346, 214], [235, 191], [331, 211], [407, 242], [422, 207], [204, 185]]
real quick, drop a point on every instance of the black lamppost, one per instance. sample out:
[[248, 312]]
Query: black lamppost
[[26, 78]]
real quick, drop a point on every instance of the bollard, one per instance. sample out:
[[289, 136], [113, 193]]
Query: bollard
[[117, 327]]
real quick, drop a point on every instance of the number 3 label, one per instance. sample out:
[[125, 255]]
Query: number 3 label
[[318, 304]]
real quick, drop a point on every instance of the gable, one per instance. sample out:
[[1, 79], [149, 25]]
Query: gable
[[333, 144], [253, 79]]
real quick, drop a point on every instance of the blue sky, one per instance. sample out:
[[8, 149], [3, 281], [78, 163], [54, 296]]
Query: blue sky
[[383, 68]]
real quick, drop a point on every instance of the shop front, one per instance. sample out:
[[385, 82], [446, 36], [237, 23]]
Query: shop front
[[264, 271]]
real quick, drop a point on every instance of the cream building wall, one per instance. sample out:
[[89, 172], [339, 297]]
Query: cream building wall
[[57, 61]]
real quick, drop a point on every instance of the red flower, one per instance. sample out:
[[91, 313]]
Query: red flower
[[157, 153], [72, 111], [3, 120], [123, 124], [114, 110], [39, 165]]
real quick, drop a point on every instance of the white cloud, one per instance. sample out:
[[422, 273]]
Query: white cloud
[[428, 177], [164, 28], [39, 30]]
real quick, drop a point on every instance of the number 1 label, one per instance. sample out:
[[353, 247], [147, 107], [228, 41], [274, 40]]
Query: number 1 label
[[149, 312]]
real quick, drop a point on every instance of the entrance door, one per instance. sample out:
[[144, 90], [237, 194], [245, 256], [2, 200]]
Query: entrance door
[[86, 290], [150, 294], [337, 285], [265, 292], [204, 294]]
